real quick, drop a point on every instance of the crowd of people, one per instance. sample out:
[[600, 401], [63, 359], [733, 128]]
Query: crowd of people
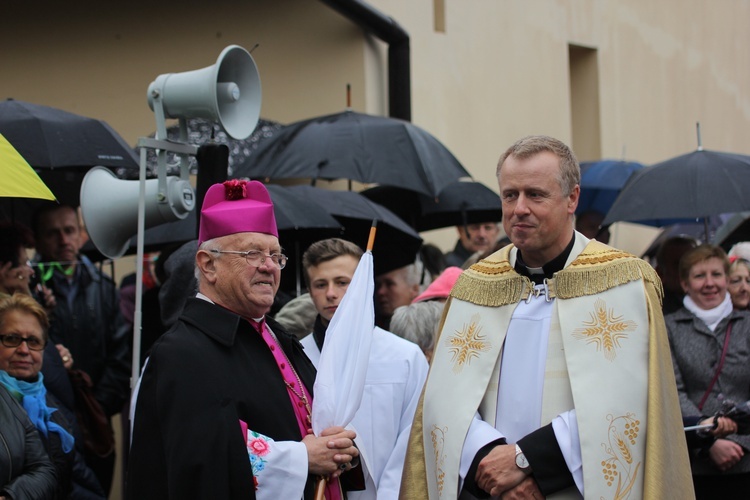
[[55, 333], [543, 362]]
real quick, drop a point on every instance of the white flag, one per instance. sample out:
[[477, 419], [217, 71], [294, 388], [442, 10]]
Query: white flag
[[342, 369]]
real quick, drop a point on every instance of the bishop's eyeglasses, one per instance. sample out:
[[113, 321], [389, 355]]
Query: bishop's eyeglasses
[[256, 258]]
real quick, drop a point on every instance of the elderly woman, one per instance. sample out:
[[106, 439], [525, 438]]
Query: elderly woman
[[739, 283], [418, 323], [23, 336], [710, 345]]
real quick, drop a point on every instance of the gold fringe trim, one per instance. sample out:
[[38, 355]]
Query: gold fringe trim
[[493, 282], [491, 293], [592, 279]]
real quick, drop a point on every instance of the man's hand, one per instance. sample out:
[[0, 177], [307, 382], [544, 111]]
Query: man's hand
[[498, 472], [526, 489], [334, 447], [725, 454]]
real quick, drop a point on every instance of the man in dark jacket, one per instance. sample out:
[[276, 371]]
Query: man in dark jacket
[[86, 318], [472, 238], [224, 403]]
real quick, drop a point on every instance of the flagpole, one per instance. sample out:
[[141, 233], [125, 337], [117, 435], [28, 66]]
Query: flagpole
[[320, 486], [371, 239]]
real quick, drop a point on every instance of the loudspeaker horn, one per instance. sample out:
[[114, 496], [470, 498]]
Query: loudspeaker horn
[[228, 92], [110, 207]]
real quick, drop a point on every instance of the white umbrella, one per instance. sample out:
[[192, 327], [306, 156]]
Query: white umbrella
[[343, 360]]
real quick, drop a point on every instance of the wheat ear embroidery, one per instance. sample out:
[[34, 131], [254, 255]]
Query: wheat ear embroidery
[[605, 329], [467, 344]]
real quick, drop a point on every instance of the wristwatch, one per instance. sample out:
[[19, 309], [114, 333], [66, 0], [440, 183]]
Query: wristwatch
[[521, 461]]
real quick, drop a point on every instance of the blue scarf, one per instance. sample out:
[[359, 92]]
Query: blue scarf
[[34, 401]]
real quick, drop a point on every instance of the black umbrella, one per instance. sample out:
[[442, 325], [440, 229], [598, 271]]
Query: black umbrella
[[396, 244], [301, 222], [735, 229], [688, 187], [695, 229], [52, 138], [201, 131], [61, 147], [739, 412], [359, 147], [458, 204]]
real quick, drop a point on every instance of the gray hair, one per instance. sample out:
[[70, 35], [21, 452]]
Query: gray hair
[[206, 246], [416, 274], [418, 323]]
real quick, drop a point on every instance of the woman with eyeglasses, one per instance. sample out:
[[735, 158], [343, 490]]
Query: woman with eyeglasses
[[25, 468], [23, 336], [739, 283]]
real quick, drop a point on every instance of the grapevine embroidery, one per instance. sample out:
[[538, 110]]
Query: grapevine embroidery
[[620, 466], [438, 442]]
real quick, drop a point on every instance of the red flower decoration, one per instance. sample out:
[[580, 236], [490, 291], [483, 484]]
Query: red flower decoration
[[255, 483], [259, 447], [235, 189]]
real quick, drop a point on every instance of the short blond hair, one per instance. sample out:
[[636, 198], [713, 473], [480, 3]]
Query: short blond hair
[[569, 174], [699, 254], [26, 304]]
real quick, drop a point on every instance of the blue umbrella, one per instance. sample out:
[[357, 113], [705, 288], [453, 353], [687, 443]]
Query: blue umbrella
[[601, 182]]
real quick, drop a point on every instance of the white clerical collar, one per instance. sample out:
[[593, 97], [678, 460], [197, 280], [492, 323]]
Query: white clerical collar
[[201, 296]]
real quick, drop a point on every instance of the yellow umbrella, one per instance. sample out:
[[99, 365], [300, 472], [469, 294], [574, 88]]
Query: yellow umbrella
[[19, 179]]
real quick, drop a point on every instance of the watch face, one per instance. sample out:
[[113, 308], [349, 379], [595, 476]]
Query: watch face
[[521, 461]]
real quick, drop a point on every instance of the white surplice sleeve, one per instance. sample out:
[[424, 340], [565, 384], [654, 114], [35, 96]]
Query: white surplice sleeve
[[390, 480], [279, 467], [480, 434], [565, 426]]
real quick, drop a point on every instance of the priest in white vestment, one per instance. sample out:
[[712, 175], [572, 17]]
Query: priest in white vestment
[[551, 376], [396, 372]]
